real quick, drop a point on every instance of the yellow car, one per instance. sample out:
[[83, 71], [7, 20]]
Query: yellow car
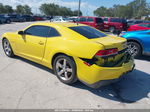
[[73, 51]]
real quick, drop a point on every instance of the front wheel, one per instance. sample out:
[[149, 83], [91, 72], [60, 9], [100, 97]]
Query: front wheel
[[65, 69], [7, 48], [8, 21], [134, 49]]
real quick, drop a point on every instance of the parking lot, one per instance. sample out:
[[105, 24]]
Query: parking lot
[[27, 85]]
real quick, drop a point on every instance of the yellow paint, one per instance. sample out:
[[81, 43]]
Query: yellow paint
[[42, 50]]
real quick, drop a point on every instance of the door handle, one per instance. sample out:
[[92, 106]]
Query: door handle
[[41, 43]]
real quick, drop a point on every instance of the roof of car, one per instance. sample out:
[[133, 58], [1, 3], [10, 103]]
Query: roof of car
[[88, 17], [65, 24]]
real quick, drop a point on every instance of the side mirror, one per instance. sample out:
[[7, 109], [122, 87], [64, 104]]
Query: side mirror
[[21, 33]]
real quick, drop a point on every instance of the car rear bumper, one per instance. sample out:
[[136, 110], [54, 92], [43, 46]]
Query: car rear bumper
[[107, 82], [96, 76]]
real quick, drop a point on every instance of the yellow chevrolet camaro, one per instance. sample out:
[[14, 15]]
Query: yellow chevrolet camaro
[[73, 51]]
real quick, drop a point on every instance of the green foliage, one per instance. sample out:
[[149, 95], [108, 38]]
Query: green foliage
[[75, 13], [20, 9], [5, 9], [134, 9], [23, 9], [56, 10]]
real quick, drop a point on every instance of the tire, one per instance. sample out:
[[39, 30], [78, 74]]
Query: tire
[[65, 69], [8, 21], [134, 49], [7, 48], [112, 29]]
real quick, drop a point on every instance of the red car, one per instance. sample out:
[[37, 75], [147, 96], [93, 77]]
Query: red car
[[142, 26], [111, 24], [95, 22], [38, 18]]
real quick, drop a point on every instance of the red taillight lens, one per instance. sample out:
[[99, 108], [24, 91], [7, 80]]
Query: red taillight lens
[[107, 52]]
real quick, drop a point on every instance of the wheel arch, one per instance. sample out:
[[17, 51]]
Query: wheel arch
[[4, 38], [60, 53], [137, 41]]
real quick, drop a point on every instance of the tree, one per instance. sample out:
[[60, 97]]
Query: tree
[[134, 9], [8, 9], [5, 9], [20, 9], [75, 13], [101, 11], [56, 10], [50, 9], [1, 8]]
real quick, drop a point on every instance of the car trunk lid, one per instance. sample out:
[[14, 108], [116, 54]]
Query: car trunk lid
[[112, 43]]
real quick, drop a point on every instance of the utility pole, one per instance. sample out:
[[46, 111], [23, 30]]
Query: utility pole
[[79, 8]]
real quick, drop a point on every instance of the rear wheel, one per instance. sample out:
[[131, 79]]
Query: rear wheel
[[65, 69], [134, 49], [7, 48]]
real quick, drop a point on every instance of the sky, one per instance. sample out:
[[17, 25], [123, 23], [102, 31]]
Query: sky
[[87, 6]]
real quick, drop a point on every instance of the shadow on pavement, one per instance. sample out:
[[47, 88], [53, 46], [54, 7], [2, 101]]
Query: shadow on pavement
[[131, 88], [35, 64], [144, 57]]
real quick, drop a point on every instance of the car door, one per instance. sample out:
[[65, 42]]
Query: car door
[[116, 22], [32, 43], [147, 40]]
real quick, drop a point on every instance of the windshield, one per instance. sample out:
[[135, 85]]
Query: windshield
[[88, 32]]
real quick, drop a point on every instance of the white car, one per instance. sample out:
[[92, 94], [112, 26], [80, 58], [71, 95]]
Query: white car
[[60, 20]]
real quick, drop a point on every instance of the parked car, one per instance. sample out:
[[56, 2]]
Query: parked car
[[5, 19], [38, 18], [73, 19], [28, 18], [138, 42], [2, 20], [95, 22], [142, 26], [61, 19], [72, 51], [133, 22], [15, 18], [111, 24]]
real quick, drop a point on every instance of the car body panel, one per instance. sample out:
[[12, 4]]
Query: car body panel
[[72, 44], [95, 22], [142, 37], [142, 26], [118, 23]]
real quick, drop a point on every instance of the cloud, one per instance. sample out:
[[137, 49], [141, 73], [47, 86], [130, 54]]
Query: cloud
[[86, 8]]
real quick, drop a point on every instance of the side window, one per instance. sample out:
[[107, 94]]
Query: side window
[[138, 22], [41, 31], [145, 25], [53, 33], [142, 25], [115, 20], [82, 19], [105, 19], [90, 20]]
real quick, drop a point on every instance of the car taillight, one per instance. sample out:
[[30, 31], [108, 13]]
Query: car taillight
[[107, 52]]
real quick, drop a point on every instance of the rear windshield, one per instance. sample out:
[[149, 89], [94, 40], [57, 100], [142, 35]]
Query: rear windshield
[[88, 32], [99, 20]]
